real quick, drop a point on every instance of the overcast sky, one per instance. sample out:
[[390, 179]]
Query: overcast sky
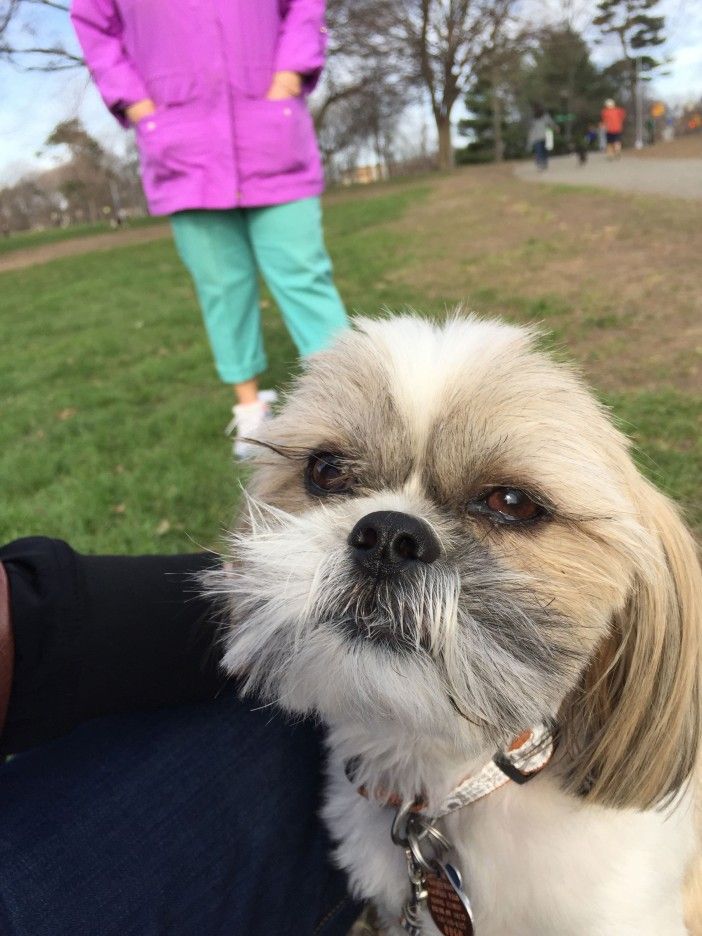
[[31, 104]]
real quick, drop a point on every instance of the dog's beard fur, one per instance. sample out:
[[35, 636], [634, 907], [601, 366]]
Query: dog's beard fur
[[508, 627], [314, 634]]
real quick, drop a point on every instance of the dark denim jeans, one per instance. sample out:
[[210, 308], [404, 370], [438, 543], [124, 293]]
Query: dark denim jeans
[[541, 154], [192, 821]]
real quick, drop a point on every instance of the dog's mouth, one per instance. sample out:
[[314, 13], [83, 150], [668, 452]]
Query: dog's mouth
[[384, 614], [382, 633]]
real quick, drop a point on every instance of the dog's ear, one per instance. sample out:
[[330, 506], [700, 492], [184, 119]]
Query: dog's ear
[[631, 732]]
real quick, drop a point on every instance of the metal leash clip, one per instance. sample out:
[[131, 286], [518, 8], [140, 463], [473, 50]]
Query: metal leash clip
[[425, 850], [413, 832]]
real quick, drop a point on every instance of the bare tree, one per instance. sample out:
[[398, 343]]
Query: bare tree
[[92, 185], [87, 182], [363, 120], [365, 87], [22, 42], [501, 60], [443, 42], [24, 205]]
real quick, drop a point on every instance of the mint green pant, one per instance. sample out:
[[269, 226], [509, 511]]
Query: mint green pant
[[224, 250]]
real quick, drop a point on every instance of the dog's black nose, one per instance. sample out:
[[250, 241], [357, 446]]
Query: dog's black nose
[[386, 541]]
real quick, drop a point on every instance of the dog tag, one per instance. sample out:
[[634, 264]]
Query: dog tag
[[447, 901]]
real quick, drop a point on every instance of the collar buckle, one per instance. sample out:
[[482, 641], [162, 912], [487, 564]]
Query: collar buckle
[[511, 770]]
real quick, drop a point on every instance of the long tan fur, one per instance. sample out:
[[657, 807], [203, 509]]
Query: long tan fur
[[634, 726]]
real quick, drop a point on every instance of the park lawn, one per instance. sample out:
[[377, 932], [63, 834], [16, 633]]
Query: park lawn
[[111, 433]]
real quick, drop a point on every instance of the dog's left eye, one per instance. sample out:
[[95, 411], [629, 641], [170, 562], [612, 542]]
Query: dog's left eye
[[327, 474], [511, 505]]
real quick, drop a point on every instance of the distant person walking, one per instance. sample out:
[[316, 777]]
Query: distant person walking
[[613, 118], [216, 92], [540, 139]]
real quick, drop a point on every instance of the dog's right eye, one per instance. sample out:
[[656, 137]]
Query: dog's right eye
[[327, 474]]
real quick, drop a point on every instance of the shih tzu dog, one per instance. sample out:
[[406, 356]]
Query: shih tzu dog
[[448, 556]]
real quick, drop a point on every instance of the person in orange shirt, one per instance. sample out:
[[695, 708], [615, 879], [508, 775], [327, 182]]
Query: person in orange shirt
[[613, 118]]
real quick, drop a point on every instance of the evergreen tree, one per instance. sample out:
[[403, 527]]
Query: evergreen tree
[[491, 109], [637, 30], [556, 70], [563, 78]]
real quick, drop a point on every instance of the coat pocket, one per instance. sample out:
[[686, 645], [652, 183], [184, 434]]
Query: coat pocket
[[170, 148], [273, 137]]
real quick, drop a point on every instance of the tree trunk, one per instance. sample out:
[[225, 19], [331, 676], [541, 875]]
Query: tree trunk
[[499, 147], [443, 126], [631, 118]]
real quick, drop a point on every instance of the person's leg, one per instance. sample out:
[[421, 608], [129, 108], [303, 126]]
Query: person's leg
[[288, 242], [215, 248], [182, 822], [540, 154]]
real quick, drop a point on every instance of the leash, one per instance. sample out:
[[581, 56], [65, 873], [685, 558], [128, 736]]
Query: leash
[[436, 883]]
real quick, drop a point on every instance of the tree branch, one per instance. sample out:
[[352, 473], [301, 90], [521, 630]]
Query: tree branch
[[54, 4], [64, 59]]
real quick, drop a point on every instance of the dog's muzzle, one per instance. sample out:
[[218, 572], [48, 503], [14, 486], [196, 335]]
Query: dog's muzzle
[[386, 543]]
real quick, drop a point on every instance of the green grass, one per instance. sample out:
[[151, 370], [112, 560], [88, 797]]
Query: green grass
[[665, 428], [111, 434], [25, 239], [112, 418], [366, 252]]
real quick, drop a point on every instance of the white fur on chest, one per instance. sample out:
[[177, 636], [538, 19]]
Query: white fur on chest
[[536, 862]]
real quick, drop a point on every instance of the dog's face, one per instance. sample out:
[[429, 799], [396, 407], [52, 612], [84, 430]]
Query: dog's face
[[444, 530]]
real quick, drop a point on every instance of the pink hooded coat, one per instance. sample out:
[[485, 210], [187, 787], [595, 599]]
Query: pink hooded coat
[[214, 141]]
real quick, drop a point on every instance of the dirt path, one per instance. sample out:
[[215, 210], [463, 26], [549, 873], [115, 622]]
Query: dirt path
[[679, 178], [616, 278], [29, 256]]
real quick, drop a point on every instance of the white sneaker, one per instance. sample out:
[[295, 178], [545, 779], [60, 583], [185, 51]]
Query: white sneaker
[[268, 396], [247, 419]]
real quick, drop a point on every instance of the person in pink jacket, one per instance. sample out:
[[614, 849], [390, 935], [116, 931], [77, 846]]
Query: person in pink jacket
[[216, 92]]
